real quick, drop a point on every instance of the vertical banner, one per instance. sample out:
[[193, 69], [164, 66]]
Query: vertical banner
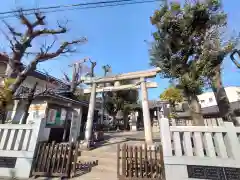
[[63, 116], [51, 116], [57, 118]]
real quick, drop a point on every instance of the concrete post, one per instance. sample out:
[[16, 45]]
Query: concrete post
[[146, 113], [91, 108], [75, 124], [14, 110]]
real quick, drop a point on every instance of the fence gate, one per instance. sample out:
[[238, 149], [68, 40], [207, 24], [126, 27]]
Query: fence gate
[[139, 163], [55, 160]]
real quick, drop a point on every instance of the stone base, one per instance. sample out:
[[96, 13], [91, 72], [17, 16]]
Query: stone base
[[86, 145], [98, 136], [133, 128]]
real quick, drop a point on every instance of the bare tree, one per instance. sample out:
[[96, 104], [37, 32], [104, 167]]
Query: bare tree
[[106, 68], [93, 65], [20, 42], [75, 81]]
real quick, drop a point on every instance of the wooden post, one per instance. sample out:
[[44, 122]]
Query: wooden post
[[91, 108], [146, 113]]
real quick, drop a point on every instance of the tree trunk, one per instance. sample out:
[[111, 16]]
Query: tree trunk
[[195, 109], [29, 100], [172, 109], [223, 103], [13, 68], [19, 80], [125, 121], [114, 121], [3, 112]]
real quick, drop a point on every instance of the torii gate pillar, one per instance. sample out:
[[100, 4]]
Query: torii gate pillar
[[131, 76], [146, 113], [90, 117]]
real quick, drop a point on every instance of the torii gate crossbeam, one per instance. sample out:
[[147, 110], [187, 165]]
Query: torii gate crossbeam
[[141, 75]]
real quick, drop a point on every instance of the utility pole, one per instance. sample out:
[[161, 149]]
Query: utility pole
[[107, 69]]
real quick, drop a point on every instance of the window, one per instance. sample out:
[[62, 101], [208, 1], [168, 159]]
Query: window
[[202, 101], [238, 94], [210, 99]]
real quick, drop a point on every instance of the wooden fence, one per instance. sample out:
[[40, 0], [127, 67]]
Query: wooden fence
[[139, 163], [59, 160], [55, 159]]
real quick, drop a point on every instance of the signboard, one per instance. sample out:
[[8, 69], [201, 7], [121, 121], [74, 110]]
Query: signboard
[[56, 117], [8, 162], [37, 107], [213, 172], [36, 112], [63, 115], [51, 116]]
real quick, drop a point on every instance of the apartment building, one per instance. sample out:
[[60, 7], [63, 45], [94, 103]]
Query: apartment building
[[208, 99]]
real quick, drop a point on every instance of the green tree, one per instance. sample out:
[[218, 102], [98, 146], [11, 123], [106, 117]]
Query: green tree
[[5, 96], [173, 95], [178, 46], [215, 48], [122, 100], [213, 56]]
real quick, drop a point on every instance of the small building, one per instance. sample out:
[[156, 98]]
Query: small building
[[65, 115], [43, 79], [208, 99]]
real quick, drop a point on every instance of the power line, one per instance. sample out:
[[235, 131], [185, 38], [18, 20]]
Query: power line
[[64, 6], [59, 8]]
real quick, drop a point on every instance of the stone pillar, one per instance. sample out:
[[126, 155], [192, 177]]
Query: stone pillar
[[133, 121], [75, 124], [158, 114], [146, 113], [90, 116]]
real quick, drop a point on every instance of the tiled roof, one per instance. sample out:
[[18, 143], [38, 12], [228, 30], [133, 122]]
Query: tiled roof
[[212, 110], [36, 73]]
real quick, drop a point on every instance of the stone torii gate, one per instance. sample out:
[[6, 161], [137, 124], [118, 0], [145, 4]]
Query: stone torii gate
[[141, 77]]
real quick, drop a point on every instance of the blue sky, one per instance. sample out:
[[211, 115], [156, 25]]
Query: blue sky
[[115, 36]]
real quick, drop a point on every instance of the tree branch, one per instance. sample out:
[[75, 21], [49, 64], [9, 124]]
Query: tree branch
[[25, 21], [12, 30], [46, 31], [64, 48], [40, 19], [66, 78]]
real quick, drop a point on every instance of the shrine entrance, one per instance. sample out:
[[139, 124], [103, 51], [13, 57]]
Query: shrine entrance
[[141, 83]]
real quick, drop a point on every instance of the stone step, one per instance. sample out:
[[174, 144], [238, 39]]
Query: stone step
[[98, 174], [103, 162], [100, 153], [99, 159]]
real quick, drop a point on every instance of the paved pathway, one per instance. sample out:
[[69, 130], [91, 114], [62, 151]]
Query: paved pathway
[[106, 155]]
